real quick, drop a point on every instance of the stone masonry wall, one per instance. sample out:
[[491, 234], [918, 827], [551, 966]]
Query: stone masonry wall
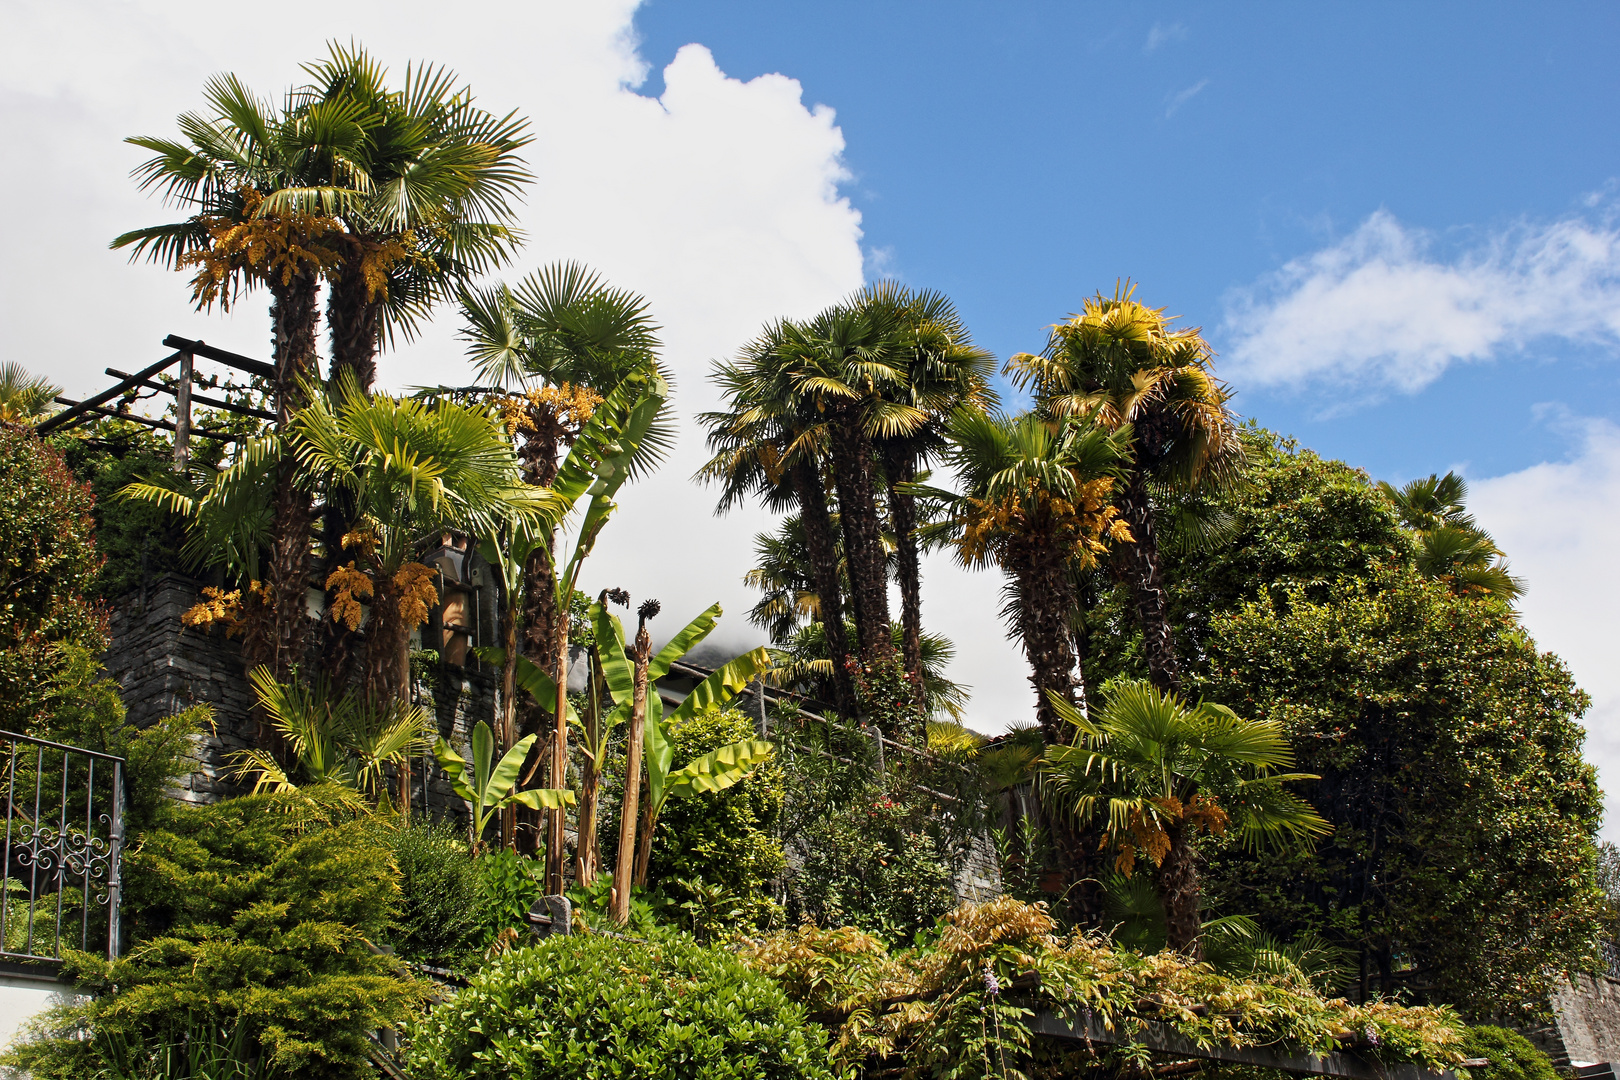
[[1586, 1025]]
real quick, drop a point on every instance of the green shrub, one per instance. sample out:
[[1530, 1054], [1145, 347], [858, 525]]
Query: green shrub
[[259, 910], [872, 865], [716, 855], [442, 919], [509, 885], [48, 563], [1511, 1055], [582, 1008]]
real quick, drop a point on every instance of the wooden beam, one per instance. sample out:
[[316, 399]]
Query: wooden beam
[[229, 359], [212, 403], [89, 404], [148, 421], [1162, 1038]]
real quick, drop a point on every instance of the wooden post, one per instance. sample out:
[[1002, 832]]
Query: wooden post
[[182, 416]]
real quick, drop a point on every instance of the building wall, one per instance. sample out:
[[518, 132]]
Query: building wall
[[1586, 1024]]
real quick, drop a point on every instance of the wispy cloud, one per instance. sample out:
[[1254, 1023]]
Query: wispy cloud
[[1181, 97], [1163, 33], [1380, 310]]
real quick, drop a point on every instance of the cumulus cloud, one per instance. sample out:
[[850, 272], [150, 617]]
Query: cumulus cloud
[[1557, 520], [1385, 309]]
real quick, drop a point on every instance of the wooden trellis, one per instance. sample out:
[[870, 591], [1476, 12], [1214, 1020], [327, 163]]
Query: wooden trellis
[[185, 356]]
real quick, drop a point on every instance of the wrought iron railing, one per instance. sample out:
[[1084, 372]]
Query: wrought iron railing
[[60, 853]]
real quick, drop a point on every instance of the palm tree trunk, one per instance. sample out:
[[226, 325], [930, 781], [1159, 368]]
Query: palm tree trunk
[[1147, 583], [1046, 598], [899, 469], [557, 820], [623, 874], [506, 737], [353, 318], [387, 676], [591, 790], [1179, 887], [863, 539], [293, 314], [823, 551]]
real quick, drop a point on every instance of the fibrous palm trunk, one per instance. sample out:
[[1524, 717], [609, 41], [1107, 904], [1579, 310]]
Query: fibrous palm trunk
[[863, 539], [354, 319], [898, 469], [1147, 584], [1046, 597], [1177, 880], [294, 315], [388, 664], [823, 551]]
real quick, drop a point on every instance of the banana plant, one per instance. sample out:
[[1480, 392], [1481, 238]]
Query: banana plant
[[608, 452], [490, 787], [714, 771]]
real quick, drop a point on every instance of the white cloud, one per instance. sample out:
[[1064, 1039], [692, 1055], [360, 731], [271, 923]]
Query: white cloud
[[1164, 33], [1380, 309], [1175, 101], [719, 200], [1557, 521]]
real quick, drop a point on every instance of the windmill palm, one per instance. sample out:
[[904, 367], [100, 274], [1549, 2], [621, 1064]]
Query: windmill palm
[[1036, 501], [766, 446], [941, 371], [1451, 547], [410, 468], [1120, 363], [439, 176], [802, 661], [25, 398], [1156, 771], [264, 185]]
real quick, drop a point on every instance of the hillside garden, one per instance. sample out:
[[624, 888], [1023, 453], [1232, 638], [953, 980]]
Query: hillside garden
[[1295, 774]]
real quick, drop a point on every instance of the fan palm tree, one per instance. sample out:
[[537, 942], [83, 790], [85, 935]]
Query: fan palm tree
[[765, 446], [941, 371], [1120, 363], [25, 398], [438, 176], [1036, 501], [1156, 771], [802, 661], [264, 186], [410, 468], [1451, 547]]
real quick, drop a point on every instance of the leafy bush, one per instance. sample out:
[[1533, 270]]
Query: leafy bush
[[717, 855], [259, 910], [872, 865], [1511, 1055], [442, 919], [509, 885], [959, 1018], [48, 564], [581, 1008]]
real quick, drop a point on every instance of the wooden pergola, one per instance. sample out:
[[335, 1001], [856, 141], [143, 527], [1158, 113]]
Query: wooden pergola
[[185, 356]]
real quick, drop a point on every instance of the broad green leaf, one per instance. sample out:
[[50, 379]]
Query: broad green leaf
[[719, 769], [659, 751], [683, 643], [505, 776], [724, 683], [455, 767], [533, 679], [544, 798], [616, 666], [483, 742]]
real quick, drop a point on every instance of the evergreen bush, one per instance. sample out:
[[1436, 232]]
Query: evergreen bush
[[1511, 1055], [591, 1008], [442, 919]]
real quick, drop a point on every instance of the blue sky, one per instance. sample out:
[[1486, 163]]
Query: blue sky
[[1020, 156]]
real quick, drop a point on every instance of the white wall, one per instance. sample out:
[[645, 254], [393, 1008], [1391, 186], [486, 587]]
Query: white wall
[[22, 999]]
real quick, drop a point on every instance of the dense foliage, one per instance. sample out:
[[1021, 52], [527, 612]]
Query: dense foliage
[[964, 997], [1511, 1056], [258, 910], [597, 1008], [48, 566], [1450, 760], [441, 918], [719, 855]]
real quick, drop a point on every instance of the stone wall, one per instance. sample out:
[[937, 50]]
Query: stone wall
[[1586, 1025], [162, 667]]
